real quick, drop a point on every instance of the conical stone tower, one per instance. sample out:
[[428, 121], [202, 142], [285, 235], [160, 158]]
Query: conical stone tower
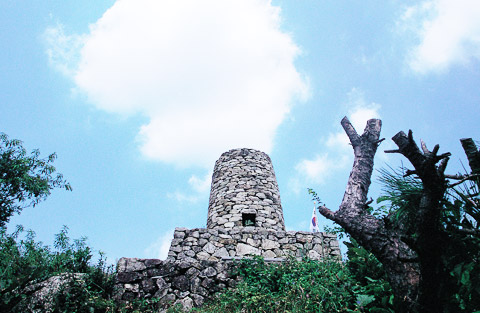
[[244, 192]]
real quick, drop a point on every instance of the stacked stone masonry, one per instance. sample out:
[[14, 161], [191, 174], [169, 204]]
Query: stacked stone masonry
[[188, 282], [243, 185], [218, 244], [245, 219]]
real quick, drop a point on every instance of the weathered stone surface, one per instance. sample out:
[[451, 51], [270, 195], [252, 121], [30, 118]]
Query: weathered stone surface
[[161, 284], [40, 295], [243, 249], [312, 254], [192, 272], [130, 265], [127, 277], [222, 252], [181, 283], [167, 299], [148, 285], [244, 177], [244, 190], [269, 254], [209, 272], [268, 244], [198, 300], [149, 263], [209, 248], [208, 283], [178, 234], [190, 253], [187, 303], [225, 244], [203, 256]]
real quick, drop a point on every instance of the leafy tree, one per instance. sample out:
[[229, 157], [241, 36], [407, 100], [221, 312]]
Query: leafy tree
[[25, 179], [429, 243]]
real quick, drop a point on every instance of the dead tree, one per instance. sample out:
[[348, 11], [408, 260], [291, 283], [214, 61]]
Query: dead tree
[[412, 263]]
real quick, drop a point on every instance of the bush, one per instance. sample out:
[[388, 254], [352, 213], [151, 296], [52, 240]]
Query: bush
[[291, 286], [24, 262]]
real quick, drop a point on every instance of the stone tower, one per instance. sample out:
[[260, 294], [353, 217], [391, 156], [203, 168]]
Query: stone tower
[[245, 218], [244, 192]]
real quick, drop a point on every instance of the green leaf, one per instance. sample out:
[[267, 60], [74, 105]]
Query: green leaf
[[363, 300]]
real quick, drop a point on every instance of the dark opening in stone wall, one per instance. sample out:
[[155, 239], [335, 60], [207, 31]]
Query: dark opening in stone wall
[[248, 219]]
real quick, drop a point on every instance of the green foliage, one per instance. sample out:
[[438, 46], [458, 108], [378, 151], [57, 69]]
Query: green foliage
[[461, 219], [401, 193], [25, 179], [291, 286], [460, 222], [368, 272], [315, 196], [24, 262]]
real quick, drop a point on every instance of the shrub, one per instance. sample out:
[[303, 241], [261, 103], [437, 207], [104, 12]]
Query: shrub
[[24, 262], [291, 286]]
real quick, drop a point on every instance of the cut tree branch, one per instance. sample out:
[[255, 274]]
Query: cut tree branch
[[461, 178], [378, 236], [350, 131]]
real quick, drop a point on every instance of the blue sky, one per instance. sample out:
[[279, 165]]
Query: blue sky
[[139, 98]]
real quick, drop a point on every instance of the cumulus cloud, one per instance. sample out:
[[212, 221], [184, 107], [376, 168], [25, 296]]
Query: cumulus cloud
[[199, 189], [339, 155], [159, 248], [319, 169], [359, 112], [209, 75], [448, 33], [201, 185]]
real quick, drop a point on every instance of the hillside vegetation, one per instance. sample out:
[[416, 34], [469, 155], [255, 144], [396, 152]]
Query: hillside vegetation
[[441, 261]]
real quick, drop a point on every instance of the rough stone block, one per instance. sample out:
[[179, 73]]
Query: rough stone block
[[269, 254], [181, 283], [198, 300], [178, 234], [209, 248], [243, 249], [128, 277], [130, 265], [268, 244], [209, 272]]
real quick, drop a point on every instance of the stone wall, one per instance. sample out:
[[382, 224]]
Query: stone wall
[[188, 282], [245, 218], [244, 186], [218, 244], [185, 282]]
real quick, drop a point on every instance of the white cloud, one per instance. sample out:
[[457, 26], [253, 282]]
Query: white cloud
[[448, 33], [63, 50], [321, 167], [337, 140], [159, 248], [339, 154], [359, 110], [210, 75], [183, 197], [201, 185]]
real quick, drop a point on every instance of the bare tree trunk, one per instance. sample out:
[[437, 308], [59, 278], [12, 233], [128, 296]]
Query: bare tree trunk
[[374, 234], [413, 264], [430, 236]]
